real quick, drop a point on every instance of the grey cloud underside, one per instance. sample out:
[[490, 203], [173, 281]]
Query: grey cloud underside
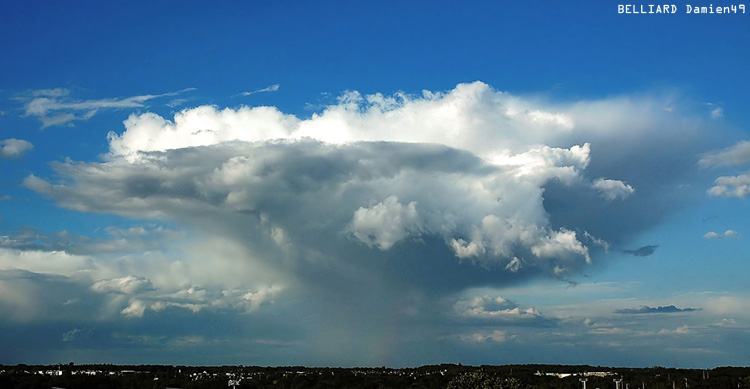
[[662, 309], [644, 251], [300, 196]]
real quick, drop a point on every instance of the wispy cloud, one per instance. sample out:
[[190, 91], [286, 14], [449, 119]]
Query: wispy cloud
[[55, 107], [717, 112], [739, 154], [270, 88]]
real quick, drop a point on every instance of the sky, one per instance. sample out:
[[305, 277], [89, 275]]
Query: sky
[[373, 183]]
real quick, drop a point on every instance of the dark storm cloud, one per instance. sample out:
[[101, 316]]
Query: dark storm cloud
[[370, 223]]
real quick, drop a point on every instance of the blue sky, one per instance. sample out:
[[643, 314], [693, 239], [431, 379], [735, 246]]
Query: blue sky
[[373, 183]]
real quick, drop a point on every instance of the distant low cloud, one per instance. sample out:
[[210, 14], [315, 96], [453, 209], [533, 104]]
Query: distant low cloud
[[682, 330], [496, 336], [55, 107], [726, 234], [124, 285], [74, 334], [14, 148], [494, 308], [646, 309], [644, 251]]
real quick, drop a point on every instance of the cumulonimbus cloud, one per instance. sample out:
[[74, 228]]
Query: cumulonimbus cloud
[[468, 168]]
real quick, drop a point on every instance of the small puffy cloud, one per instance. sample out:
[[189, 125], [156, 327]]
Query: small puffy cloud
[[612, 189], [14, 148], [644, 309], [374, 206], [124, 285], [731, 186], [136, 308], [717, 113], [711, 235], [496, 336], [561, 244], [726, 234], [514, 265], [497, 308], [644, 251], [385, 223]]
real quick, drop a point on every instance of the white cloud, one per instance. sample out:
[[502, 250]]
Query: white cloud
[[711, 235], [368, 209], [612, 189], [717, 113], [124, 285], [561, 244], [385, 223], [54, 107], [739, 154], [497, 308], [48, 262], [514, 265], [497, 336], [731, 186], [726, 234], [14, 148], [136, 308], [270, 88], [468, 167], [200, 126], [682, 330]]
